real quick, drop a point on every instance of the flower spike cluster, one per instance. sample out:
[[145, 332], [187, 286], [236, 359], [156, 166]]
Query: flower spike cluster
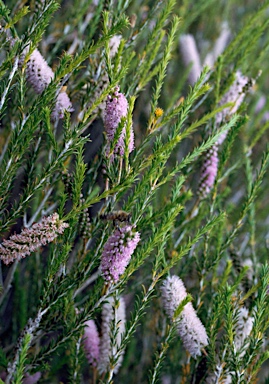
[[39, 74], [62, 104], [116, 109], [236, 95], [118, 251], [191, 57], [91, 343], [189, 326], [209, 171], [29, 240], [111, 314]]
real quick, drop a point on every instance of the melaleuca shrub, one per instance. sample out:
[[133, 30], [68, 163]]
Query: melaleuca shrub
[[133, 192]]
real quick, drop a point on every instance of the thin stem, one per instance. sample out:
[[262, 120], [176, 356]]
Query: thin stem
[[8, 281], [161, 354], [38, 210], [10, 78], [88, 282]]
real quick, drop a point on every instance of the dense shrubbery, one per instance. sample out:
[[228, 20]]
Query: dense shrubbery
[[133, 191]]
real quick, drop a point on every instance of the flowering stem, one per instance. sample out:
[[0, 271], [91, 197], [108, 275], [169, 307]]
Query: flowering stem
[[8, 280], [120, 170], [38, 210], [161, 354], [89, 281], [16, 368], [89, 314]]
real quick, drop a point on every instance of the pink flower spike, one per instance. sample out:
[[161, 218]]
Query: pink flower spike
[[62, 104], [109, 316], [39, 74], [209, 172], [91, 343], [116, 109], [189, 326], [117, 252], [236, 95], [29, 240]]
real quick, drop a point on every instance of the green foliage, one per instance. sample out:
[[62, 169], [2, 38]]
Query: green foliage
[[216, 243], [20, 366]]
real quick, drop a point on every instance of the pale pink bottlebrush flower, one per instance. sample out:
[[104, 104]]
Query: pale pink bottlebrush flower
[[39, 74], [110, 315], [32, 379], [236, 95], [173, 292], [209, 171], [91, 342], [190, 56], [116, 109], [118, 251], [189, 326], [62, 104], [30, 239]]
